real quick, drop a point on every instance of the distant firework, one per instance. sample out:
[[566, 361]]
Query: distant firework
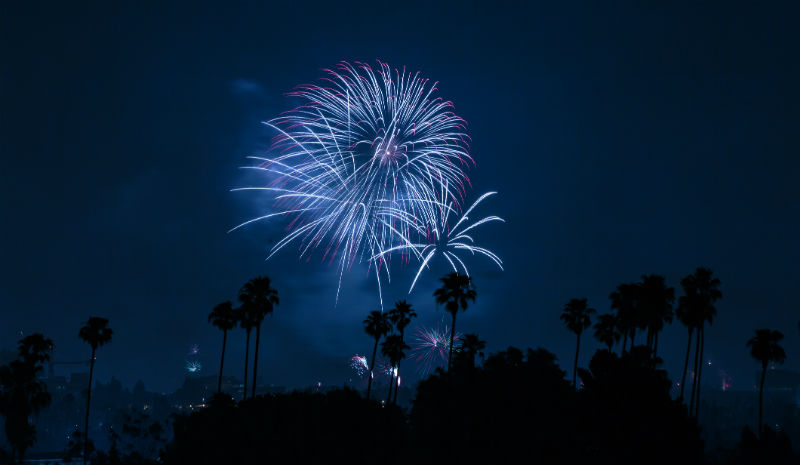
[[431, 346], [194, 349], [359, 364], [371, 164], [193, 366]]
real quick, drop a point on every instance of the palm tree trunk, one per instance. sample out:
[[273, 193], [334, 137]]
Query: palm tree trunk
[[222, 360], [655, 345], [624, 342], [575, 364], [88, 404], [246, 359], [372, 367], [686, 362], [255, 360], [633, 337], [397, 385], [391, 381], [700, 371], [761, 399], [694, 376], [452, 334]]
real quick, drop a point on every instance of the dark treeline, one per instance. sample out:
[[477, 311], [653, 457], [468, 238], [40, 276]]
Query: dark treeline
[[512, 406]]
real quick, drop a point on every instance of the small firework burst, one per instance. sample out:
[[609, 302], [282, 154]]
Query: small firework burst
[[431, 346], [193, 366], [194, 349], [359, 364]]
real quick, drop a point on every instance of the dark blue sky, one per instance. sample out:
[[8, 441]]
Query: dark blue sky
[[622, 141]]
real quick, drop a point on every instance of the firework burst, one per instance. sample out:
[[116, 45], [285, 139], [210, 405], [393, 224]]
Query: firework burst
[[359, 364], [431, 346], [370, 165]]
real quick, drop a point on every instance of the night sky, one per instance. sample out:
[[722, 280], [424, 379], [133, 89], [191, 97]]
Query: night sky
[[621, 142]]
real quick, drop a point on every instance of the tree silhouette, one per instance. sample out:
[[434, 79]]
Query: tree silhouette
[[701, 291], [401, 316], [577, 317], [625, 300], [96, 333], [376, 324], [655, 305], [22, 394], [260, 299], [393, 348], [764, 347], [471, 346], [456, 290], [606, 330], [244, 316], [224, 318]]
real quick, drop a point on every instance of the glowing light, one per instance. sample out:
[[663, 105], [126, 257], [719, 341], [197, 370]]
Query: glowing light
[[194, 349], [430, 347], [359, 364], [193, 366], [371, 163]]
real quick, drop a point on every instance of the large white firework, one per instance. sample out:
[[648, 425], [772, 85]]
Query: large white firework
[[371, 162]]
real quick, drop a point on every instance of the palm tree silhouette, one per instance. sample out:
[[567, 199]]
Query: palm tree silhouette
[[471, 346], [456, 290], [655, 306], [606, 330], [96, 333], [401, 316], [625, 301], [244, 315], [224, 318], [392, 348], [764, 347], [577, 317], [260, 298], [701, 290], [376, 324]]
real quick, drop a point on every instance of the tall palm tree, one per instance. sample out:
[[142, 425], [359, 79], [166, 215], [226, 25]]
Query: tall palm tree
[[456, 290], [401, 316], [258, 296], [606, 330], [393, 349], [704, 291], [577, 317], [625, 301], [764, 347], [688, 313], [224, 318], [376, 324], [96, 333], [244, 315], [655, 306]]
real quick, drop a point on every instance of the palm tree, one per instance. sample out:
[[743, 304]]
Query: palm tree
[[244, 315], [606, 330], [224, 318], [625, 301], [260, 298], [577, 317], [96, 333], [764, 347], [471, 346], [456, 290], [392, 348], [377, 324], [401, 316], [687, 312], [655, 306], [703, 291]]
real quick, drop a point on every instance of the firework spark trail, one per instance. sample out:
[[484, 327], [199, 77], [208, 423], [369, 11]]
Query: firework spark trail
[[448, 242], [359, 364], [430, 347]]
